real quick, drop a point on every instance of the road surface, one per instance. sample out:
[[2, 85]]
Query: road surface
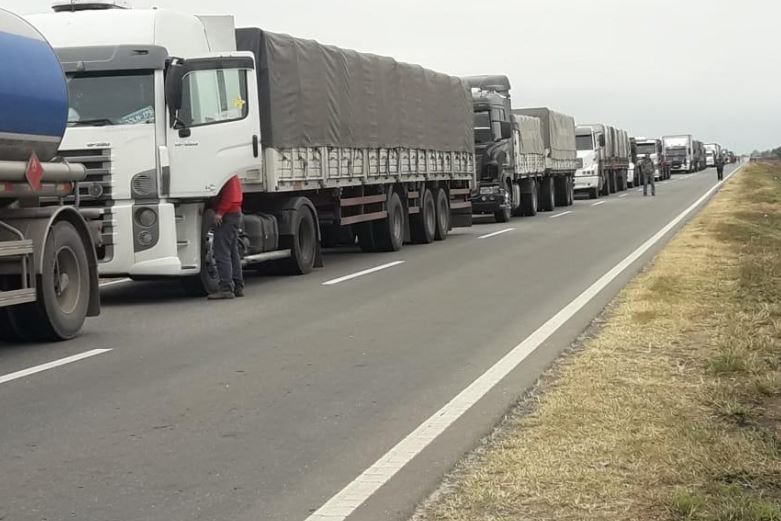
[[265, 408]]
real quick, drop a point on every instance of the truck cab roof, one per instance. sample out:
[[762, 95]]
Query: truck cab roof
[[180, 34]]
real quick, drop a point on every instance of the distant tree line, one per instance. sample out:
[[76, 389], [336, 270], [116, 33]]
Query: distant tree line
[[774, 153]]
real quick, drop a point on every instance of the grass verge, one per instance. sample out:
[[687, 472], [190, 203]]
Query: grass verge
[[673, 410]]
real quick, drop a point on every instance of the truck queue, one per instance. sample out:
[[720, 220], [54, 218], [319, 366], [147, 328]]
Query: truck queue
[[157, 110]]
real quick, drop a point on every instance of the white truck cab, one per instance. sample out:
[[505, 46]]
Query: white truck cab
[[590, 141], [115, 61]]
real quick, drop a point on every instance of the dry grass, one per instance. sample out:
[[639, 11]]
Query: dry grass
[[673, 410]]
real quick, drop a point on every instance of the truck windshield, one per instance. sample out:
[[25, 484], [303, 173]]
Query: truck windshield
[[483, 130], [677, 151], [98, 99], [584, 142], [646, 148]]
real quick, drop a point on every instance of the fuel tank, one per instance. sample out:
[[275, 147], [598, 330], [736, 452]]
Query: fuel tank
[[33, 92]]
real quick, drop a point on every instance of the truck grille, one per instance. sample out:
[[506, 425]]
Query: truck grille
[[95, 190]]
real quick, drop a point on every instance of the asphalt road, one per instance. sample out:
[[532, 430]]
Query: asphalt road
[[265, 408]]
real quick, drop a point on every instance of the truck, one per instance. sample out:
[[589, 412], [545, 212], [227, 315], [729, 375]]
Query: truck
[[48, 264], [655, 150], [521, 155], [680, 152], [699, 155], [713, 153], [605, 153], [166, 107]]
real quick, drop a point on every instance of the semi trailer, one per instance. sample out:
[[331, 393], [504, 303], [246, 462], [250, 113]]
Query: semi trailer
[[48, 265], [166, 107], [605, 152], [524, 157], [699, 155]]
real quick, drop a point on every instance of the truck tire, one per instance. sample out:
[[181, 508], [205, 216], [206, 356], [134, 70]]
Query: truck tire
[[516, 201], [442, 200], [593, 193], [529, 201], [63, 290], [424, 224], [302, 244], [563, 188], [612, 184], [547, 195], [605, 190], [503, 215], [334, 236], [389, 232], [208, 280]]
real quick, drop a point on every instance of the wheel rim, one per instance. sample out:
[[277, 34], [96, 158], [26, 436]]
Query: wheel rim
[[67, 279], [442, 213], [396, 223]]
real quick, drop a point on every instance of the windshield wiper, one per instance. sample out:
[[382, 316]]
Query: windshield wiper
[[98, 122]]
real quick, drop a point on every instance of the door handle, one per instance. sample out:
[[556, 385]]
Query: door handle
[[255, 145]]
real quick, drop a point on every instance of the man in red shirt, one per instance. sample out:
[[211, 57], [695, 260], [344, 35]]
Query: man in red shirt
[[227, 223]]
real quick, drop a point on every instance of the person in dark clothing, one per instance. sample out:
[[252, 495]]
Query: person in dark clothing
[[227, 224], [646, 169], [720, 167]]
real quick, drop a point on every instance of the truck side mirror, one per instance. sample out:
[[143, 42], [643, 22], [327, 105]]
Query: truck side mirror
[[602, 140], [173, 87], [506, 129]]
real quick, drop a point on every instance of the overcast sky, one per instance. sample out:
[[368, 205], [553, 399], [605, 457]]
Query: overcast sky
[[707, 67]]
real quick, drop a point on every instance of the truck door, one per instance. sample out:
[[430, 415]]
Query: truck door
[[214, 127]]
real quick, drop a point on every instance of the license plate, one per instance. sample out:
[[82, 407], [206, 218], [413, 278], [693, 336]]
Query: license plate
[[486, 190]]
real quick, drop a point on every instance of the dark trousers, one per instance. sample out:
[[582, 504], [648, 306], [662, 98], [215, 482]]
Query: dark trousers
[[649, 179], [720, 171], [226, 252]]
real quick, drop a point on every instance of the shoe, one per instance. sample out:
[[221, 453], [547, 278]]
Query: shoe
[[238, 292], [221, 295]]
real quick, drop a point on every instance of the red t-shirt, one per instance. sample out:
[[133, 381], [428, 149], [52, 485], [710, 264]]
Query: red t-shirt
[[230, 198]]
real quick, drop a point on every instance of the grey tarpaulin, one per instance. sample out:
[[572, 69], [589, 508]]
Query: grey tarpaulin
[[558, 131], [320, 95], [530, 135]]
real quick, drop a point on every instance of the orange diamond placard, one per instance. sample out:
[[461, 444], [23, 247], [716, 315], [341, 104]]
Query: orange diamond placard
[[34, 172]]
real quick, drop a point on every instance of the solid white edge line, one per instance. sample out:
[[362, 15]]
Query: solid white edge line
[[599, 203], [51, 365], [494, 234], [362, 273], [344, 503], [114, 283], [560, 214]]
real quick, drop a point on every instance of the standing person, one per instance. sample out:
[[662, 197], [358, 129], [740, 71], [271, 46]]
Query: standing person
[[720, 167], [227, 222], [646, 169]]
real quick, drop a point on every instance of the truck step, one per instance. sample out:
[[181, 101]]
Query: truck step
[[16, 248], [17, 296]]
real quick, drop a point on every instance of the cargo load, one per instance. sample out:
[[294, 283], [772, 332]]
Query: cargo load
[[319, 95], [558, 132]]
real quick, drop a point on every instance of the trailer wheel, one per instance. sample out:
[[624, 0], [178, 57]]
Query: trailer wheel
[[208, 280], [443, 214], [529, 201], [424, 224], [389, 232], [366, 237], [63, 290], [303, 244], [547, 195], [517, 200], [562, 188]]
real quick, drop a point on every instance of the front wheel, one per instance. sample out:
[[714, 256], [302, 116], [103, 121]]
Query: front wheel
[[207, 281]]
